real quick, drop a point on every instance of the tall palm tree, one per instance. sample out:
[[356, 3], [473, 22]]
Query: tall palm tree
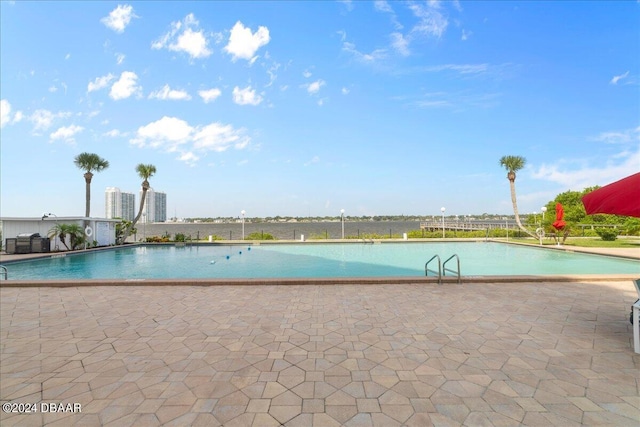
[[145, 172], [89, 163], [513, 164]]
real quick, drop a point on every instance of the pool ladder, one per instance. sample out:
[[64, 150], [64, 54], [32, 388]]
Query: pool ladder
[[4, 272], [442, 268]]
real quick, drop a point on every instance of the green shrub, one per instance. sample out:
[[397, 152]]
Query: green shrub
[[607, 234], [260, 236], [179, 237]]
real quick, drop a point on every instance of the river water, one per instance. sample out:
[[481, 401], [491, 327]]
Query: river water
[[281, 231]]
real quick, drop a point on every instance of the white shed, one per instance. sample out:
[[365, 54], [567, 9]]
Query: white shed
[[102, 231]]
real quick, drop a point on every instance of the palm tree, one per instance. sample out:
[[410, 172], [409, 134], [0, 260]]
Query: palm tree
[[513, 164], [74, 232], [89, 163], [145, 172]]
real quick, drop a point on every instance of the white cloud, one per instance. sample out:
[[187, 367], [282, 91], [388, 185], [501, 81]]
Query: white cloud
[[431, 21], [5, 112], [43, 119], [306, 74], [184, 36], [246, 96], [616, 79], [119, 18], [619, 137], [66, 133], [17, 117], [382, 6], [219, 137], [53, 89], [125, 86], [243, 44], [100, 82], [120, 58], [465, 35], [612, 168], [166, 93], [176, 135], [67, 56], [314, 87], [345, 91], [114, 133], [400, 44], [313, 161], [209, 95], [374, 56]]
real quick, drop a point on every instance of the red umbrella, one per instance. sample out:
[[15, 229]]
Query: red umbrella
[[618, 198], [559, 223]]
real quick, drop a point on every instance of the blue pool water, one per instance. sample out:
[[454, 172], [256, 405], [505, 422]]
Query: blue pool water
[[315, 260]]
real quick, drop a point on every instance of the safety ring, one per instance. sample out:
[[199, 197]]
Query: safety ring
[[540, 232], [88, 231]]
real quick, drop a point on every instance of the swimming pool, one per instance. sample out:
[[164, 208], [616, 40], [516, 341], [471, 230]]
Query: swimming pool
[[313, 261]]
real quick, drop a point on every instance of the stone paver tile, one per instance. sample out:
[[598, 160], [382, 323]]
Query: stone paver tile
[[312, 405], [302, 420], [324, 420], [258, 405], [341, 413], [265, 420], [383, 420], [284, 413]]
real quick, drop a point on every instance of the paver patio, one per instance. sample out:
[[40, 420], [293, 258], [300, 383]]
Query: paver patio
[[478, 354]]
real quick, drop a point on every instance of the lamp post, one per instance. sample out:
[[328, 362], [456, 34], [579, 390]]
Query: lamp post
[[442, 209], [242, 212], [543, 209], [55, 238], [342, 221]]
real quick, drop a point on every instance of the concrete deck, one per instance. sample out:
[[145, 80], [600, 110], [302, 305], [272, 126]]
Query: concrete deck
[[477, 354]]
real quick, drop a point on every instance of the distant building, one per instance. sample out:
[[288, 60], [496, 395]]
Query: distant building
[[155, 207], [119, 204]]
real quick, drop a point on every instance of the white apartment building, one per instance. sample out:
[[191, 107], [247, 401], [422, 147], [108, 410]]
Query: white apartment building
[[119, 204], [155, 207]]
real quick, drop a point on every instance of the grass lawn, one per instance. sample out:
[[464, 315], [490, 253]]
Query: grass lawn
[[588, 242]]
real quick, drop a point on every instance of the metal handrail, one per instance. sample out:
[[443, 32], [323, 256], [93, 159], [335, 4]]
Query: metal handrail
[[445, 269], [5, 272], [427, 270]]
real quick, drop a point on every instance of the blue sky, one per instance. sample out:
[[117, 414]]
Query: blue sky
[[306, 108]]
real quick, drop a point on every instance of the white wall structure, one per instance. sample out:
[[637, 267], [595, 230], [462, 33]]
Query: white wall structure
[[155, 207], [102, 230], [119, 204]]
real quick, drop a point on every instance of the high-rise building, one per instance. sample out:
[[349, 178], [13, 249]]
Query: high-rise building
[[155, 207], [119, 204]]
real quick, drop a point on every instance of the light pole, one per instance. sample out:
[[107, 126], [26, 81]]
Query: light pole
[[55, 238], [442, 209], [242, 212], [342, 221], [543, 209]]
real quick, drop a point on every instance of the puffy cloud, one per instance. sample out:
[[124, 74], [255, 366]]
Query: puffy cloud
[[168, 132], [126, 86], [382, 6], [219, 137], [184, 36], [616, 79], [243, 44], [172, 134], [314, 87], [100, 82], [43, 119], [5, 112], [209, 95], [66, 133], [171, 94], [345, 91], [119, 18], [246, 96]]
